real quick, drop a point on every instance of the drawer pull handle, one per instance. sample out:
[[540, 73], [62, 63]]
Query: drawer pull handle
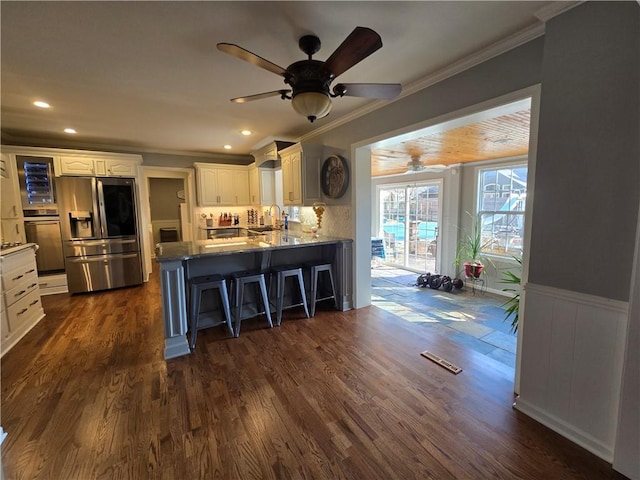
[[18, 277], [23, 311], [32, 270], [19, 293], [33, 303], [33, 285]]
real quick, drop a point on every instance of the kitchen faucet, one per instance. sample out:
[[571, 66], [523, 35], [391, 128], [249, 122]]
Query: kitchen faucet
[[276, 222]]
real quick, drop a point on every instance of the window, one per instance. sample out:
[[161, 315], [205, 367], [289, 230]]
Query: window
[[502, 196]]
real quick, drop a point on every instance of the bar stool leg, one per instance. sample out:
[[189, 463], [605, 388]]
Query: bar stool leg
[[195, 310], [303, 294], [333, 289], [265, 301], [238, 305], [224, 297], [279, 297], [314, 293]]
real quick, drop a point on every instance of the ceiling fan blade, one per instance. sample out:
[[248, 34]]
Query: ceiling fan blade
[[360, 43], [252, 58], [259, 96], [369, 90]]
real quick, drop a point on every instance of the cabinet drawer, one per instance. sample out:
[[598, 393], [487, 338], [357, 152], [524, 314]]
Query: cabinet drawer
[[23, 288], [25, 310], [11, 278]]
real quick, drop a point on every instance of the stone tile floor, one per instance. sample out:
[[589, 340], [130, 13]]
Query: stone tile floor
[[471, 318]]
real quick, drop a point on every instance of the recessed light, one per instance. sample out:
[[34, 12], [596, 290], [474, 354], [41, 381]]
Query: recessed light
[[70, 130], [41, 104], [227, 147], [246, 133]]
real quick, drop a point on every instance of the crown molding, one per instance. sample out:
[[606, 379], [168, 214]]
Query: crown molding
[[554, 9], [476, 58]]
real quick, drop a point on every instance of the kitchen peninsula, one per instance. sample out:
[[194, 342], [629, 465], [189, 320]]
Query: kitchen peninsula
[[182, 261]]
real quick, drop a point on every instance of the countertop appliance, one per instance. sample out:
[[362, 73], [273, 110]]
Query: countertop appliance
[[99, 224], [37, 185]]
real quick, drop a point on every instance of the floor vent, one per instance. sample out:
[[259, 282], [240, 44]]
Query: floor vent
[[442, 362]]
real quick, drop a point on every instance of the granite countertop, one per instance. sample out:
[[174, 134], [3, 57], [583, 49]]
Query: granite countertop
[[17, 248], [228, 246]]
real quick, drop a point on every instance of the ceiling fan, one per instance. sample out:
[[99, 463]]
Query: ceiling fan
[[417, 165], [310, 80]]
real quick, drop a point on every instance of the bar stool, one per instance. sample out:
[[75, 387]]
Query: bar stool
[[282, 273], [315, 270], [202, 284], [240, 280]]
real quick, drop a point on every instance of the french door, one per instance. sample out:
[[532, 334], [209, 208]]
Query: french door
[[409, 223]]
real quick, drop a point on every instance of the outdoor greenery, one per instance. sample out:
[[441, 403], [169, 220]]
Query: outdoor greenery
[[512, 306]]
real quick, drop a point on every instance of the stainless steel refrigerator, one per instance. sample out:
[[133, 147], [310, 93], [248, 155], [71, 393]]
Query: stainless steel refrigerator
[[98, 219]]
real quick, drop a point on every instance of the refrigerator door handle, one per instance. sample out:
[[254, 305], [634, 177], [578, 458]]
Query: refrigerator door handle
[[102, 242], [103, 213], [101, 258]]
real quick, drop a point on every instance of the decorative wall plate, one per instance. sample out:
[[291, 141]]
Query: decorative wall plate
[[334, 176]]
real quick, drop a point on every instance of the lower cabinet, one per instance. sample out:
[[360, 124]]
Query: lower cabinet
[[21, 304]]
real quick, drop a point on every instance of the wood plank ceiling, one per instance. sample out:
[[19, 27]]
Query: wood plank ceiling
[[499, 137]]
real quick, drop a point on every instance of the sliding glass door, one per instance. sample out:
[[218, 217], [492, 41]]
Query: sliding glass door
[[409, 220]]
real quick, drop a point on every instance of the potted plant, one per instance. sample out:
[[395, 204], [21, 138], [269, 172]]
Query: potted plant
[[512, 306], [470, 250]]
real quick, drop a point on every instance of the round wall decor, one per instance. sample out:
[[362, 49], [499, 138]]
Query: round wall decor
[[334, 176]]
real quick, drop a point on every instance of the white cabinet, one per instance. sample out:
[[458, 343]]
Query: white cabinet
[[261, 186], [79, 165], [222, 185], [267, 156], [11, 219], [21, 304], [75, 166], [301, 174]]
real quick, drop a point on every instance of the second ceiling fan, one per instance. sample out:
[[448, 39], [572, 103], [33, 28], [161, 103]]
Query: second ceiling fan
[[310, 80]]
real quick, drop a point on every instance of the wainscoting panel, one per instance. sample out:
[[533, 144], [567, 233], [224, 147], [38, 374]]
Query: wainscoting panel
[[572, 353]]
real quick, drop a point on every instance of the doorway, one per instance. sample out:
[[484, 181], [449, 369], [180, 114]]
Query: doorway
[[175, 189], [409, 223]]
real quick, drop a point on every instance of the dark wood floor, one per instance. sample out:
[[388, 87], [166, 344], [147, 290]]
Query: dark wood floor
[[87, 395]]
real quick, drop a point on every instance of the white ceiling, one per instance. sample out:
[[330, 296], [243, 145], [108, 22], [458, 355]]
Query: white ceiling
[[147, 75]]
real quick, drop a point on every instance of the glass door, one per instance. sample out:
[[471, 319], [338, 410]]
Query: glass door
[[409, 220]]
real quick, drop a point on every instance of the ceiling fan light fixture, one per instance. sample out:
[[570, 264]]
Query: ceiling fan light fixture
[[312, 105]]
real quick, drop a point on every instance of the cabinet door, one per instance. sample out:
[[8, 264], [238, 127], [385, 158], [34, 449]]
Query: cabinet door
[[226, 189], [120, 168], [254, 186], [241, 186], [10, 206], [296, 179], [267, 187], [76, 166], [208, 186], [13, 230]]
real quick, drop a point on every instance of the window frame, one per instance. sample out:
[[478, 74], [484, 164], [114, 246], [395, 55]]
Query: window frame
[[500, 192]]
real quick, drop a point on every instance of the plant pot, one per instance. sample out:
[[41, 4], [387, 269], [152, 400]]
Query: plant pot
[[473, 270]]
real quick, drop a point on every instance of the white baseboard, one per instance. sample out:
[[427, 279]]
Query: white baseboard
[[567, 430]]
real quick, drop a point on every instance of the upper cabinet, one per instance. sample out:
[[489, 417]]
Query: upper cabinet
[[220, 185], [11, 220], [268, 156], [82, 165], [301, 174], [262, 186], [11, 206]]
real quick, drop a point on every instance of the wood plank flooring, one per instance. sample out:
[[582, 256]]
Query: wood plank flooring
[[345, 395]]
